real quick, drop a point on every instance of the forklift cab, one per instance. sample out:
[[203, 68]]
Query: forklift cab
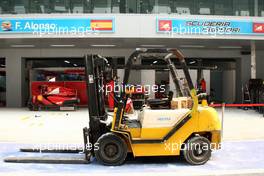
[[159, 126]]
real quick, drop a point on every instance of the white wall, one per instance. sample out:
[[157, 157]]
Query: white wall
[[207, 78], [148, 79]]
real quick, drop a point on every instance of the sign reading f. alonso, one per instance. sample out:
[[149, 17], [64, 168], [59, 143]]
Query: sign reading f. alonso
[[29, 25]]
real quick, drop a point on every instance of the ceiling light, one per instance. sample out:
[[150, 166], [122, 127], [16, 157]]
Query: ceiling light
[[230, 47], [192, 62], [103, 45], [67, 61], [22, 46], [62, 45], [75, 65], [155, 62], [153, 46], [192, 46]]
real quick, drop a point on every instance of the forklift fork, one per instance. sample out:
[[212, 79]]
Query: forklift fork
[[52, 158], [86, 151]]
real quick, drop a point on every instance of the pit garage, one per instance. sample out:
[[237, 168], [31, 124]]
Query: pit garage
[[222, 69], [46, 99]]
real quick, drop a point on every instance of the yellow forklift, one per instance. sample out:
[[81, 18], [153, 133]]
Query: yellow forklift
[[157, 131], [177, 125]]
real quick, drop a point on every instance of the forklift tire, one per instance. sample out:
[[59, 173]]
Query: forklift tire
[[197, 150], [111, 151]]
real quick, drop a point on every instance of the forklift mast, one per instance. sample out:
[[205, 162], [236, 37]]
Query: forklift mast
[[184, 66], [94, 68]]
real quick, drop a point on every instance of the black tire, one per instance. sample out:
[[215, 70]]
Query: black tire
[[111, 151], [197, 150]]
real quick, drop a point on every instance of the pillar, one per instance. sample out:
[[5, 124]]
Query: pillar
[[253, 60]]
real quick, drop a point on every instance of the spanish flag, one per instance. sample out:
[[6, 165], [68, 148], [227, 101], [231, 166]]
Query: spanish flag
[[102, 25]]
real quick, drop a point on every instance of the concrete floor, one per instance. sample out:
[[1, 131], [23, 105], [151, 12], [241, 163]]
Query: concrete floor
[[23, 126], [235, 158], [242, 152]]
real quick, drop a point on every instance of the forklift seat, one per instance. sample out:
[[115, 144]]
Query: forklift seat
[[133, 123], [161, 103]]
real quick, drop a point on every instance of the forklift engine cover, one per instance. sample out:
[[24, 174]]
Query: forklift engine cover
[[166, 118]]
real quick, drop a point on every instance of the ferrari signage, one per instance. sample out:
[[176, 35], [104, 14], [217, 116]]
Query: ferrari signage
[[209, 27], [258, 27]]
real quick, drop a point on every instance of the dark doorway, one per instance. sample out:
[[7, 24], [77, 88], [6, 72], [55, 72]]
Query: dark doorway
[[2, 82], [223, 80], [216, 86]]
